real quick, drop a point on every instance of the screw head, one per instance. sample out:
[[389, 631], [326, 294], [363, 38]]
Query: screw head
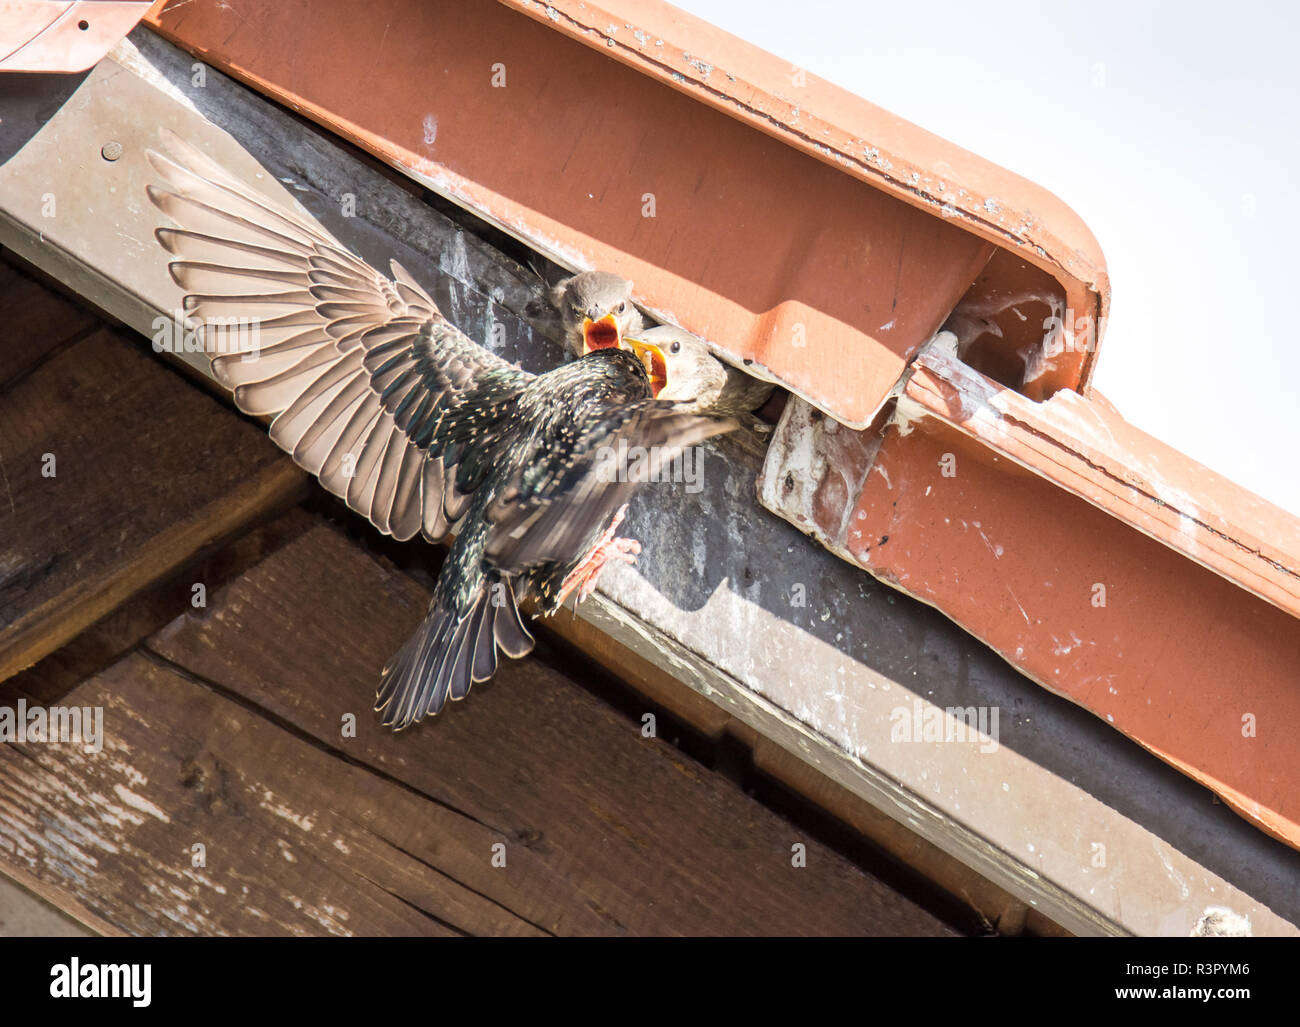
[[111, 151]]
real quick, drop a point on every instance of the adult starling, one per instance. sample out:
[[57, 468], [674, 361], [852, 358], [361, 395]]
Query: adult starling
[[417, 427]]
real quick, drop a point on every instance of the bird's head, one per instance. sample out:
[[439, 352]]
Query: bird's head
[[680, 367], [597, 311]]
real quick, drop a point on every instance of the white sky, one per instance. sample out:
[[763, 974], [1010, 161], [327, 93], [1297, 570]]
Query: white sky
[[1173, 129]]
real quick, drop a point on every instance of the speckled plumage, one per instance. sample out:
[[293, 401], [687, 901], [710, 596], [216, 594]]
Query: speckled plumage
[[413, 424], [538, 506]]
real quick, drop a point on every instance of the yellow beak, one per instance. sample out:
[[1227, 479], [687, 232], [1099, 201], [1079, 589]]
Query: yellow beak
[[652, 359]]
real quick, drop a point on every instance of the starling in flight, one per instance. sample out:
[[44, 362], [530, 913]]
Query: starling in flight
[[419, 428]]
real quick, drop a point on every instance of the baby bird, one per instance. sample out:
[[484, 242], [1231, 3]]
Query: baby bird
[[596, 310], [696, 379]]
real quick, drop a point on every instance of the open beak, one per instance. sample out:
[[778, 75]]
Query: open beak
[[652, 359], [602, 334]]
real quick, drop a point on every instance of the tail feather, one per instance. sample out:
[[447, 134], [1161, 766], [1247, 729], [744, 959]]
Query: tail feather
[[451, 667], [447, 654], [508, 627], [483, 656], [401, 686], [412, 700]]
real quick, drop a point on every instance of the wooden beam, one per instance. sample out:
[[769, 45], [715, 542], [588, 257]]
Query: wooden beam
[[99, 502], [233, 796], [37, 323]]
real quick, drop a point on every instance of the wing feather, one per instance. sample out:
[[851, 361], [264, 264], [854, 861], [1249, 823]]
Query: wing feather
[[553, 516], [359, 370]]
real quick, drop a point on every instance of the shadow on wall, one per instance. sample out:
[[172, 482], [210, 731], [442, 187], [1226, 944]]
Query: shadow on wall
[[727, 542]]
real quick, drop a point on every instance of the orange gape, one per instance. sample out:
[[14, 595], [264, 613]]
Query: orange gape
[[655, 367], [602, 334]]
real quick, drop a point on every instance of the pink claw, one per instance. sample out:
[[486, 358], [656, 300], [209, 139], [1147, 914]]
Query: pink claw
[[610, 547]]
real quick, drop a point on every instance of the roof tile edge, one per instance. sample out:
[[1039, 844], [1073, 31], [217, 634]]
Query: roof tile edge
[[846, 131]]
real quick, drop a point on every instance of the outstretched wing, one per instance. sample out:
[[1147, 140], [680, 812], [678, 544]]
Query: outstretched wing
[[375, 392]]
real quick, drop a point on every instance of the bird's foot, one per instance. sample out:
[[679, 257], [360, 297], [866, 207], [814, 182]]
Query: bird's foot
[[610, 547], [585, 576]]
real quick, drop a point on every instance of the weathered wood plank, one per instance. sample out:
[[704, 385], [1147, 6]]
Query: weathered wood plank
[[184, 766], [98, 498], [610, 832], [108, 640], [98, 647]]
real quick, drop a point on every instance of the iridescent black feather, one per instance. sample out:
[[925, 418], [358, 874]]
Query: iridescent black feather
[[413, 424]]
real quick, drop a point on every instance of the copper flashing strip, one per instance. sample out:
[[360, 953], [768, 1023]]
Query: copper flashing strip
[[818, 264], [55, 36], [857, 137], [1104, 565], [1087, 448]]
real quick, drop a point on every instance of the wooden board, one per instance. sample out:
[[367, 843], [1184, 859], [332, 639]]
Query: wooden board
[[224, 729], [97, 499], [28, 905]]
